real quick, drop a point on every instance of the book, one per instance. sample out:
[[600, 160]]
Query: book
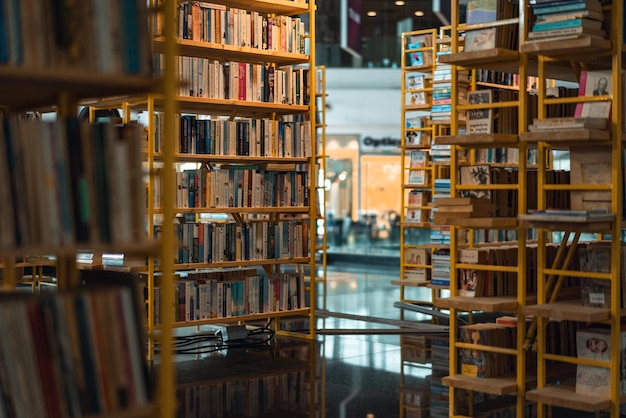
[[563, 6], [573, 216], [570, 14], [569, 23], [568, 123], [415, 85], [596, 83], [595, 257], [593, 344], [479, 121], [418, 159], [565, 33], [480, 40], [590, 165], [475, 174], [416, 257]]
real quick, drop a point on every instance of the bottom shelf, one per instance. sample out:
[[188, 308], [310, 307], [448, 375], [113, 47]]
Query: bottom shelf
[[139, 412]]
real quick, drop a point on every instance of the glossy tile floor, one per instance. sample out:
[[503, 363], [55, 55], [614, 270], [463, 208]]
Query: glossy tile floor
[[336, 376]]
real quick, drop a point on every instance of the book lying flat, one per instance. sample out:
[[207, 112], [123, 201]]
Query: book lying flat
[[573, 216], [568, 123]]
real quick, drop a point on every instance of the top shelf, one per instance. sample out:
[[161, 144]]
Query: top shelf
[[31, 89], [280, 7]]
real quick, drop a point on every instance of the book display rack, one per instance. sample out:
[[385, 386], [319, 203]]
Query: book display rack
[[575, 215], [418, 172]]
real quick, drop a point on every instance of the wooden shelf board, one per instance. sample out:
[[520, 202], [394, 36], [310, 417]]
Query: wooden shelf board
[[410, 108], [230, 319], [566, 135], [45, 86], [566, 397], [477, 139], [493, 385], [481, 58], [485, 304], [571, 310], [137, 412], [410, 283], [437, 286], [224, 52], [415, 224], [280, 7], [290, 209], [241, 263], [239, 159], [228, 107], [142, 248], [482, 223], [558, 47]]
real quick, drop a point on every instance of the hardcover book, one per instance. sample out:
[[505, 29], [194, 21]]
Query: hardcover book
[[595, 83], [596, 258], [479, 121]]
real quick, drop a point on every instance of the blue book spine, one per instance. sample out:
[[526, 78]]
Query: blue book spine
[[131, 47], [559, 24], [559, 8]]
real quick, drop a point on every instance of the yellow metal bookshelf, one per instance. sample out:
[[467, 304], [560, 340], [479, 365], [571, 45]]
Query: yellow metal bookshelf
[[228, 109], [608, 146], [417, 69], [321, 246], [462, 234]]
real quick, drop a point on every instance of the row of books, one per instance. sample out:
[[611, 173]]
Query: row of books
[[64, 182], [199, 296], [207, 22], [560, 340], [219, 242], [202, 77], [245, 137], [74, 354], [242, 188], [247, 397], [111, 37]]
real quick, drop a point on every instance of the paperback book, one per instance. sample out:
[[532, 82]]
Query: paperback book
[[479, 121]]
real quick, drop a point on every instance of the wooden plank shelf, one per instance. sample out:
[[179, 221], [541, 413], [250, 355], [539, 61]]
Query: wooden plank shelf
[[573, 136], [485, 304], [268, 210], [44, 86], [235, 159], [583, 45], [571, 310], [481, 58], [598, 226], [280, 7], [481, 223], [566, 397], [494, 385], [227, 107], [226, 52], [477, 139], [410, 283]]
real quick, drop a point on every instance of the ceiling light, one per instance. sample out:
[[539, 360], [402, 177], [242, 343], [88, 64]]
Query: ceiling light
[[371, 13], [399, 3], [419, 13]]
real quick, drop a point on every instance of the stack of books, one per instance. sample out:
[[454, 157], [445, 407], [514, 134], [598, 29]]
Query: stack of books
[[461, 207], [566, 19]]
